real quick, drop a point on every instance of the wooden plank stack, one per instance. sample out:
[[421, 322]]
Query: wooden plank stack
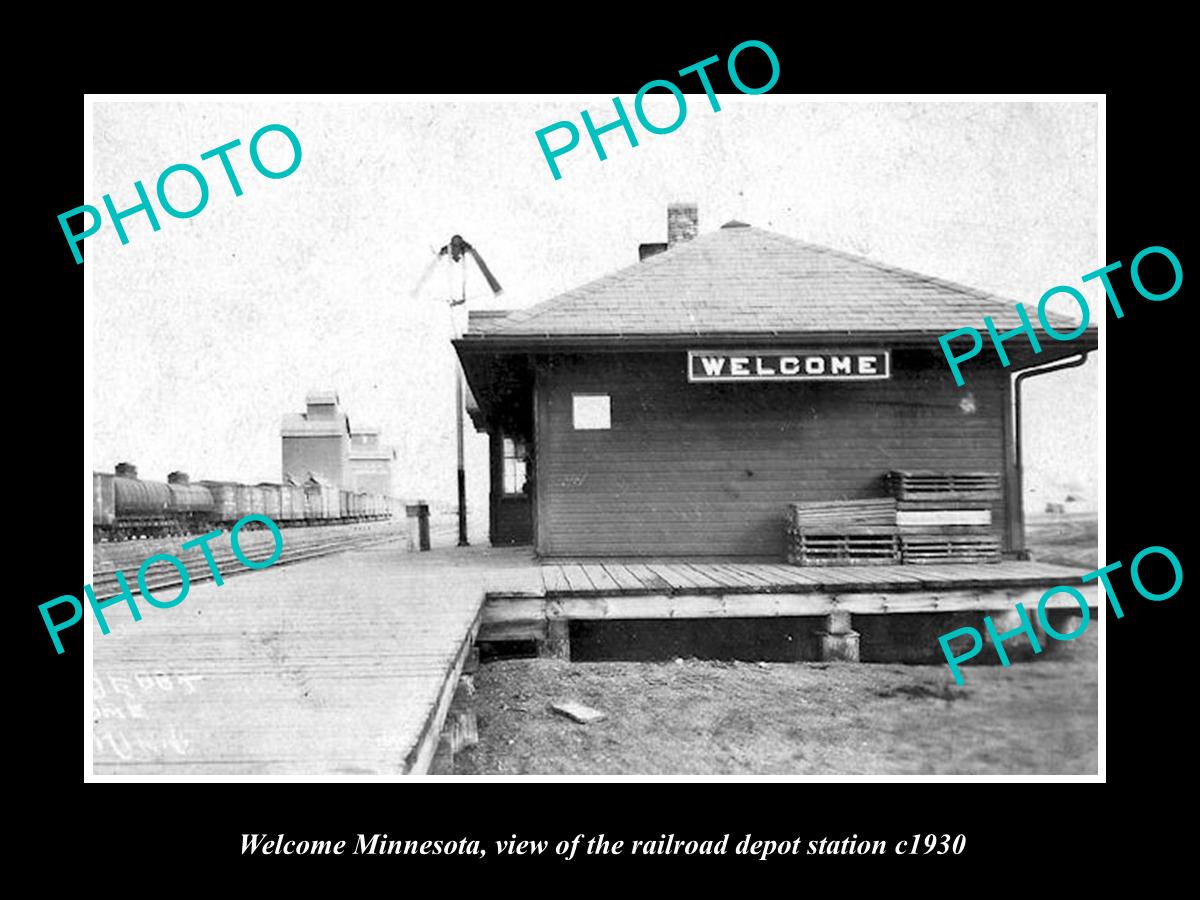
[[930, 517], [843, 533]]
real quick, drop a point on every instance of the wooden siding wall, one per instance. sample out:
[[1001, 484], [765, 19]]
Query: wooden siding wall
[[707, 469]]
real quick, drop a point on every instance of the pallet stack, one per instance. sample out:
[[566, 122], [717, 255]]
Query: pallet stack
[[945, 516], [843, 533], [929, 517]]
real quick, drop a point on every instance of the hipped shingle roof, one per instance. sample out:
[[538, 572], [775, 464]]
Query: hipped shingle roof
[[741, 279]]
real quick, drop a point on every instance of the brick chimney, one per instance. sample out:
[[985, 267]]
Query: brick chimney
[[683, 222]]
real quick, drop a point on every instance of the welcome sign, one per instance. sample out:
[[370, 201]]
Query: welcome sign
[[788, 365]]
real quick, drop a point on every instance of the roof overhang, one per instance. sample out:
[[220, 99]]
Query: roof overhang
[[1018, 348]]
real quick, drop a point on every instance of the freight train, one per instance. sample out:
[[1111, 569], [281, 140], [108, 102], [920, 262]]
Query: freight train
[[124, 506]]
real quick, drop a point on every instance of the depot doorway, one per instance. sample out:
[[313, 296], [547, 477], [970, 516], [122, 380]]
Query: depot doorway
[[512, 464]]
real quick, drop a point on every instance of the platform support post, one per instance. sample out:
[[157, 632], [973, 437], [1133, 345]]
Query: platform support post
[[557, 644], [838, 642]]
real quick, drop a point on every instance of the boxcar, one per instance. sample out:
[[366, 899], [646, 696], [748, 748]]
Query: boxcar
[[293, 504], [297, 493], [321, 500], [249, 500], [225, 500], [285, 503], [271, 500]]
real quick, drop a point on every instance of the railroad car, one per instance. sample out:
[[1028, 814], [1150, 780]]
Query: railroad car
[[191, 504], [297, 493], [321, 501], [104, 506], [225, 501], [143, 508], [125, 506], [272, 501], [293, 503], [285, 505], [249, 500]]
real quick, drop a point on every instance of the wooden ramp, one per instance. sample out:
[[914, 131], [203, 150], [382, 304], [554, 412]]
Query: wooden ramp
[[342, 665]]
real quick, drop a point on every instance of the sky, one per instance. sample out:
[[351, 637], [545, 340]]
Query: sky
[[206, 332]]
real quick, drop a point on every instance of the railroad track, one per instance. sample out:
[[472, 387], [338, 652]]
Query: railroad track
[[256, 546]]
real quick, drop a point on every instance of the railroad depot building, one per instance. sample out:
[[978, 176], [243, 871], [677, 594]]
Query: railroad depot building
[[675, 407]]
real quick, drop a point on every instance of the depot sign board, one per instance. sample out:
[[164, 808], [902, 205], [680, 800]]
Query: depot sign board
[[788, 365]]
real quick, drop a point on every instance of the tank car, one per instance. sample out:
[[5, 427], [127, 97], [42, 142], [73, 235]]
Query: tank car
[[143, 508], [191, 504]]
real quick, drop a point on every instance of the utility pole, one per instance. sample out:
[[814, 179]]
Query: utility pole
[[458, 250], [458, 411]]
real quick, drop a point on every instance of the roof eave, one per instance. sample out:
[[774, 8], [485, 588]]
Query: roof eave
[[493, 342]]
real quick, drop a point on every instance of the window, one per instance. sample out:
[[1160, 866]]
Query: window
[[515, 467], [591, 412]]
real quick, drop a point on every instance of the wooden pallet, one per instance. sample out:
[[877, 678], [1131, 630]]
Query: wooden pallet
[[925, 549], [872, 511], [943, 485], [848, 545]]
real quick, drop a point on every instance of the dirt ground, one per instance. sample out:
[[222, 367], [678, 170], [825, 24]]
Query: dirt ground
[[710, 717], [706, 717], [1067, 539]]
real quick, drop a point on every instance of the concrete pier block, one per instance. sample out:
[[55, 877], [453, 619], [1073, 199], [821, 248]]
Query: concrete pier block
[[838, 642], [837, 647], [838, 622]]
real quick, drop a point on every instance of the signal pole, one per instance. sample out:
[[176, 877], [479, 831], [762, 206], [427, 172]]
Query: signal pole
[[458, 411]]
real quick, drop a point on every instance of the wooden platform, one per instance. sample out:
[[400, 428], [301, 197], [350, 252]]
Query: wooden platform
[[346, 665], [682, 589], [342, 665]]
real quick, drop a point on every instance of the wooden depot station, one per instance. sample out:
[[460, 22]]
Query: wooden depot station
[[668, 439], [662, 420]]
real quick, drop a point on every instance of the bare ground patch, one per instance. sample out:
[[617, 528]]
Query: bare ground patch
[[724, 718]]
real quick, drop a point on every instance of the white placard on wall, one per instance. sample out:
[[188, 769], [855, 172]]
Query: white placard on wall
[[591, 412]]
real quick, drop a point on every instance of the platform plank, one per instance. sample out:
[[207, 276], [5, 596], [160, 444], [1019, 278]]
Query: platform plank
[[703, 581], [578, 579], [623, 577], [677, 577], [649, 580], [733, 579], [600, 578], [754, 574], [554, 580]]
